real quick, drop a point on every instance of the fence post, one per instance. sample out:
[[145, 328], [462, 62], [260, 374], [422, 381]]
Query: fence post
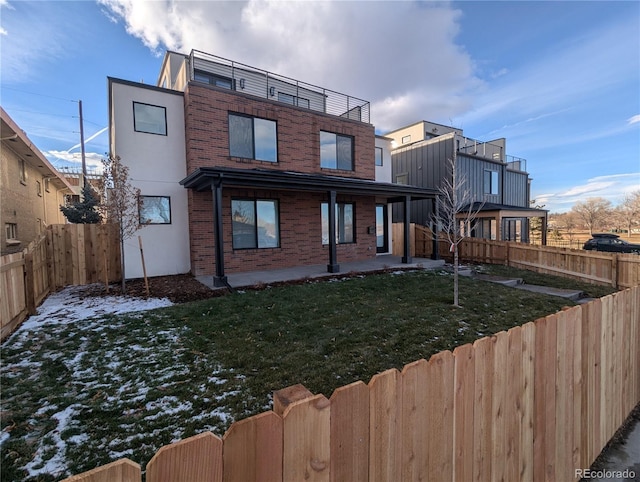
[[614, 271], [28, 283]]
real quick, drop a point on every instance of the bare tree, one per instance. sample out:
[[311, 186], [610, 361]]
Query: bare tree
[[120, 202], [592, 211], [629, 210], [456, 216]]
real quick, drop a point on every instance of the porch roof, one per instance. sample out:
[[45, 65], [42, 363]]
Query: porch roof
[[203, 178], [506, 210]]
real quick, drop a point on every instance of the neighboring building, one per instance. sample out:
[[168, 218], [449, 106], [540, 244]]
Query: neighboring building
[[421, 154], [31, 190], [278, 173]]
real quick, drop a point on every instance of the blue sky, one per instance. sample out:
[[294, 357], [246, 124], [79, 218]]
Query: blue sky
[[559, 80]]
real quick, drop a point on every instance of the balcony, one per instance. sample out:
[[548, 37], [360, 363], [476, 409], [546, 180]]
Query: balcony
[[491, 150], [224, 73]]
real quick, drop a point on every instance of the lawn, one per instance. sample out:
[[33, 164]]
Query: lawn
[[80, 392]]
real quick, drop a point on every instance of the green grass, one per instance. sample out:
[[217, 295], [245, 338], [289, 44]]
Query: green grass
[[128, 384]]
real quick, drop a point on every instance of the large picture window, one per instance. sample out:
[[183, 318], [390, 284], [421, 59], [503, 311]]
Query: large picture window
[[155, 210], [336, 151], [345, 229], [491, 182], [151, 119], [255, 223], [253, 138]]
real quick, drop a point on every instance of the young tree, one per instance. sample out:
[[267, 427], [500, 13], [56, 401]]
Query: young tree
[[593, 211], [85, 211], [456, 216], [121, 202]]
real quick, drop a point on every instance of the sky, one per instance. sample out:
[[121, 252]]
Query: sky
[[559, 80]]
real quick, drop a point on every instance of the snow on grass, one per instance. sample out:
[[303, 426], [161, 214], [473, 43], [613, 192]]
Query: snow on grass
[[89, 377]]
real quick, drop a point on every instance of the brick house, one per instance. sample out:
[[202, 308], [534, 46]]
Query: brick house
[[244, 170], [31, 190]]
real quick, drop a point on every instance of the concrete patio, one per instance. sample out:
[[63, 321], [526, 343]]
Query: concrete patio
[[251, 278]]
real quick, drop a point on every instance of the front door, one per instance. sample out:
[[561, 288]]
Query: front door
[[382, 238]]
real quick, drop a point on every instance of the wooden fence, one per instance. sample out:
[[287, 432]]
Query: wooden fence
[[534, 403], [66, 254], [617, 270]]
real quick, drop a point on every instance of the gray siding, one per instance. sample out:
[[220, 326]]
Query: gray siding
[[516, 190]]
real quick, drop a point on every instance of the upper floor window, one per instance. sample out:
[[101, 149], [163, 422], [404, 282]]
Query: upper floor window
[[214, 79], [11, 230], [151, 119], [406, 139], [47, 183], [490, 182], [255, 223], [378, 156], [336, 151], [345, 228], [402, 178], [23, 171], [38, 188], [155, 210], [252, 138], [293, 100]]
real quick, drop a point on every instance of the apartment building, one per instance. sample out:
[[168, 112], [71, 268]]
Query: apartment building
[[31, 190], [499, 184], [241, 169]]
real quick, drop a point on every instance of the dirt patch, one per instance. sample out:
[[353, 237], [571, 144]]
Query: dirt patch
[[177, 288]]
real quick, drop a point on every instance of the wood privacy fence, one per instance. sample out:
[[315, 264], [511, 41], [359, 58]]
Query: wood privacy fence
[[617, 270], [531, 404], [66, 254]]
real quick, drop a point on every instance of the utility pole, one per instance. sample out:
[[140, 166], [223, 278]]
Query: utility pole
[[84, 163]]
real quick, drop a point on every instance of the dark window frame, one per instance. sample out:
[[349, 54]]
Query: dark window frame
[[339, 209], [293, 100], [338, 167], [255, 226], [215, 79], [148, 221], [253, 137], [141, 129], [491, 182], [381, 151]]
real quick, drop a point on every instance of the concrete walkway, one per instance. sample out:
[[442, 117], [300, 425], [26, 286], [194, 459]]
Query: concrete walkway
[[382, 262]]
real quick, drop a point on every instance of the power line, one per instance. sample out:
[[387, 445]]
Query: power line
[[41, 95], [43, 113]]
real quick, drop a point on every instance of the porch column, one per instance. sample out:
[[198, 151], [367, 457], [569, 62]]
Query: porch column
[[544, 229], [407, 230], [333, 266], [434, 231], [219, 278]]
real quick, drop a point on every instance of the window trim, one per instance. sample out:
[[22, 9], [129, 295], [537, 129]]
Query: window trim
[[253, 134], [294, 100], [338, 211], [47, 182], [337, 161], [11, 231], [135, 123], [381, 151], [406, 139], [149, 220], [39, 188], [256, 238], [23, 172], [212, 78]]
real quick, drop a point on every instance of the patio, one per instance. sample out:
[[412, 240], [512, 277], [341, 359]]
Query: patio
[[382, 262]]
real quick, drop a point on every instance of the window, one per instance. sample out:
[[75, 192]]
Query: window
[[11, 230], [406, 139], [47, 184], [253, 138], [490, 182], [255, 223], [293, 100], [345, 232], [336, 151], [38, 188], [402, 178], [213, 79], [378, 156], [151, 119], [23, 172], [154, 210]]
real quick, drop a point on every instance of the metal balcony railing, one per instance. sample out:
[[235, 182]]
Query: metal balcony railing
[[226, 73]]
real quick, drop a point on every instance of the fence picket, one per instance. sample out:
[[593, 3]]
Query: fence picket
[[484, 369], [197, 458], [528, 402], [253, 449], [123, 470], [464, 385], [350, 433], [415, 429], [384, 402], [440, 375]]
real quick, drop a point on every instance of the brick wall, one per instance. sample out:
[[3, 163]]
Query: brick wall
[[298, 130], [300, 232]]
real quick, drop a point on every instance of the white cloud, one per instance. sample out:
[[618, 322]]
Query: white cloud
[[634, 120], [401, 56]]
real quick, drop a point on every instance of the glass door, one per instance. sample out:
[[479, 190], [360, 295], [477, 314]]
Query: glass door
[[382, 238]]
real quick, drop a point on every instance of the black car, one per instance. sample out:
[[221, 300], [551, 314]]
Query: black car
[[611, 243]]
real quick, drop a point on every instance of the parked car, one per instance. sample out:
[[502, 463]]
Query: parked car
[[611, 243]]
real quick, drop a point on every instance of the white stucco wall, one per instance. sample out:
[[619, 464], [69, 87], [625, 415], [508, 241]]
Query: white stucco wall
[[156, 165], [383, 174]]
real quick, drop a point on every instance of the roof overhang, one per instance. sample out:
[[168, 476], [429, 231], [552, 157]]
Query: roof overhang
[[203, 178], [504, 211]]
